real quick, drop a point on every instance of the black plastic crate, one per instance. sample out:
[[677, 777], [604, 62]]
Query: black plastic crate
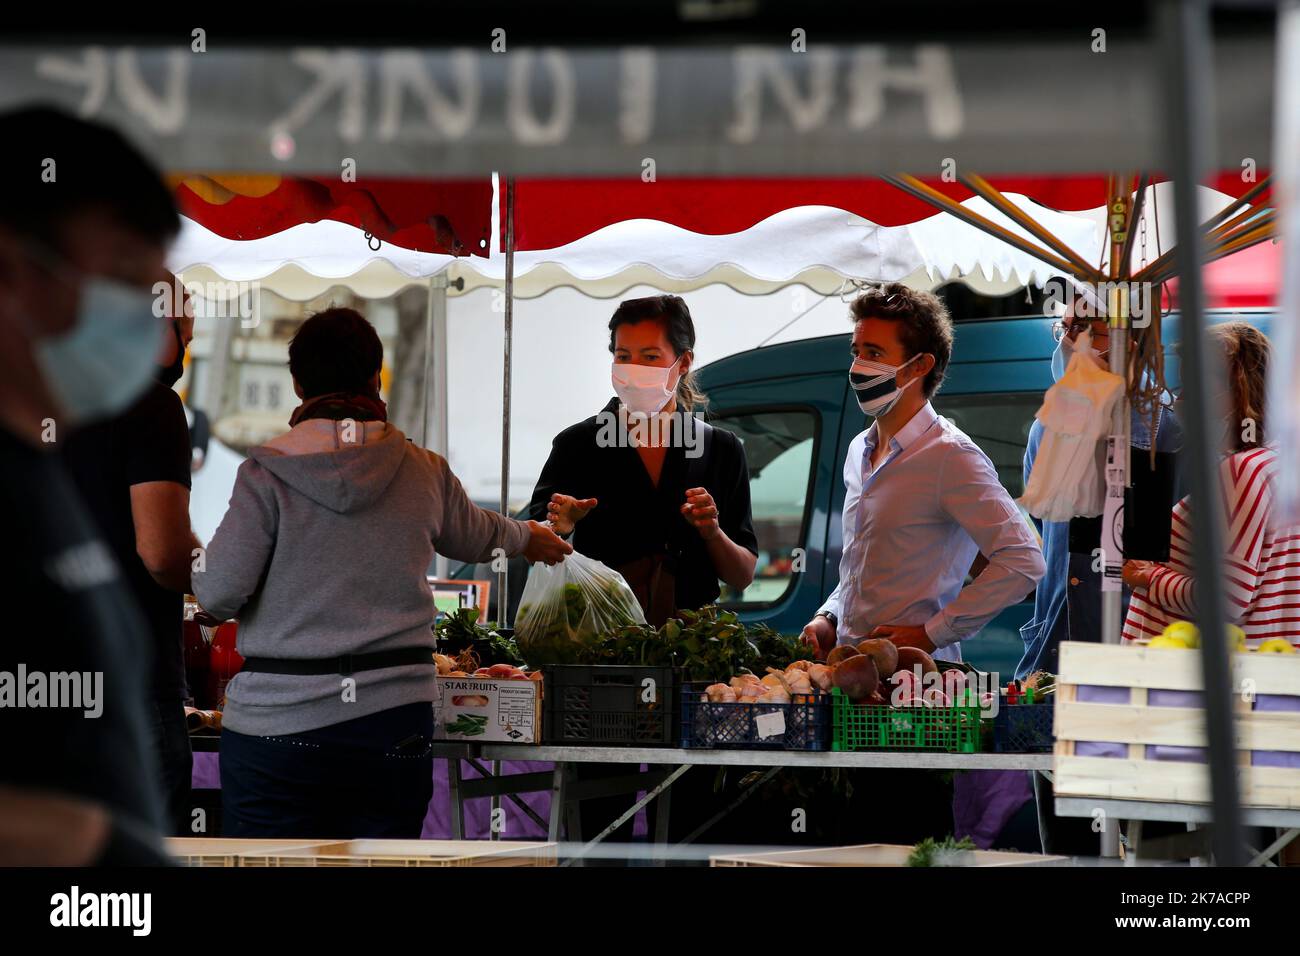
[[1023, 729], [607, 704], [805, 723]]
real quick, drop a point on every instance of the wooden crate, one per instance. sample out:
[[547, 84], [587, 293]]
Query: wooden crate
[[1138, 724], [414, 853], [224, 851], [878, 854]]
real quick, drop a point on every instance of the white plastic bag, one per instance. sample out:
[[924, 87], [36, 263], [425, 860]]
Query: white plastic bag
[[568, 605], [1066, 479]]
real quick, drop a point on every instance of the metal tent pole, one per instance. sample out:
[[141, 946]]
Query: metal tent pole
[[1117, 452], [503, 576], [436, 437], [1117, 442], [1185, 38]]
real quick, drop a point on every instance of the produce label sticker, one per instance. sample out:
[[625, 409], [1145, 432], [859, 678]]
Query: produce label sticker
[[770, 725], [516, 706]]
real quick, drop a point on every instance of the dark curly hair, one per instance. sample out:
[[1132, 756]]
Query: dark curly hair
[[924, 324]]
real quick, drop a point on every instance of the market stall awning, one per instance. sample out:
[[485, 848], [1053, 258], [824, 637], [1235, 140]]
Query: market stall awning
[[817, 246], [840, 109], [454, 217], [554, 212]]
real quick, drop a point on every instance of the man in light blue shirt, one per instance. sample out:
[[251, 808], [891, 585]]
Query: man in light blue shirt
[[922, 500]]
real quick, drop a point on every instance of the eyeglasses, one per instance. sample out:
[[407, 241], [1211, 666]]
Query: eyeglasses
[[1076, 328]]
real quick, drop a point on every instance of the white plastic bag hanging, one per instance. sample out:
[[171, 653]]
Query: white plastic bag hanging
[[1066, 478], [568, 605]]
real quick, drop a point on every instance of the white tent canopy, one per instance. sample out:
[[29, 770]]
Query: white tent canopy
[[816, 246]]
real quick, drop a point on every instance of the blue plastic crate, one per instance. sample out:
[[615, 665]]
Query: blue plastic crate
[[804, 724], [1023, 729]]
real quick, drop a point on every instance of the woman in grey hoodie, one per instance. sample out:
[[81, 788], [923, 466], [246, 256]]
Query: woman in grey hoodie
[[322, 556]]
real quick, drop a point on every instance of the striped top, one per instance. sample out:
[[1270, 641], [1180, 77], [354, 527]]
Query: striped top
[[1261, 570]]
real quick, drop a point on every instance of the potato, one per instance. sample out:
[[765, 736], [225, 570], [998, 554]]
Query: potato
[[841, 653], [857, 677], [883, 652]]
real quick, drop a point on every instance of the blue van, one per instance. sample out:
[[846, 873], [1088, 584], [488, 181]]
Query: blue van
[[792, 407]]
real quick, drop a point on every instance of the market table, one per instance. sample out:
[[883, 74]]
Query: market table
[[666, 765], [1193, 814]]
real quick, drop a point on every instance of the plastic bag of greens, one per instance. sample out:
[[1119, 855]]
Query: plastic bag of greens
[[570, 605]]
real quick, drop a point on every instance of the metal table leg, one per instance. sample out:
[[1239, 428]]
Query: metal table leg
[[1264, 855], [457, 802], [557, 803], [1133, 849], [659, 855], [577, 858], [493, 832]]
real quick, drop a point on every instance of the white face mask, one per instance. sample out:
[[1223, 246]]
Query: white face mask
[[1068, 348], [875, 384], [643, 389], [106, 360]]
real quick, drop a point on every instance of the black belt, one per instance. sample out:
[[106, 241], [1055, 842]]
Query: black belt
[[347, 664]]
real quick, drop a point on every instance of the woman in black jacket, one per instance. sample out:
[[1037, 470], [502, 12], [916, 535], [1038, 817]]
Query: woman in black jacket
[[645, 487]]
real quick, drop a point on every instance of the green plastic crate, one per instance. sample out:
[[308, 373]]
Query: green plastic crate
[[947, 729]]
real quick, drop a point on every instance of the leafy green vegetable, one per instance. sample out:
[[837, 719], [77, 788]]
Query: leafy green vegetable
[[711, 644], [930, 852], [460, 629]]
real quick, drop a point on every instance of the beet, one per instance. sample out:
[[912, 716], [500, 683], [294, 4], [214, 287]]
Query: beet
[[883, 652], [857, 677], [841, 653], [909, 657]]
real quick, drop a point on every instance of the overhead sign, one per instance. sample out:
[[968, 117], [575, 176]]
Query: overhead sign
[[928, 109]]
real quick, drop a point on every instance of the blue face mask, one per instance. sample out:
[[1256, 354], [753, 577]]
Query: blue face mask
[[1064, 351], [103, 363], [1059, 358]]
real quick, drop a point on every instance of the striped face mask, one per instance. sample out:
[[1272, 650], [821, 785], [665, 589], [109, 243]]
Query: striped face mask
[[875, 385]]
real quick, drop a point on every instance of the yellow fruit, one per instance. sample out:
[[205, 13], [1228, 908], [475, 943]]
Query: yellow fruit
[[1184, 631], [1276, 645], [1169, 642], [1236, 638]]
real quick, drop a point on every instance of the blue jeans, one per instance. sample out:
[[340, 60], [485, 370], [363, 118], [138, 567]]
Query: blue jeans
[[371, 777]]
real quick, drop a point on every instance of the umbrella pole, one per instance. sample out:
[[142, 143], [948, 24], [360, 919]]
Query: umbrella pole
[[1117, 451], [1119, 206], [503, 576]]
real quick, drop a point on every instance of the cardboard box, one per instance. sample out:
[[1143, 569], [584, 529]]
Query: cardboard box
[[494, 853], [485, 710], [881, 854]]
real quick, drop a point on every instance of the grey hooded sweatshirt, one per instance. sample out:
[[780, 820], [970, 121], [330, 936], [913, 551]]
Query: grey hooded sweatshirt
[[324, 552]]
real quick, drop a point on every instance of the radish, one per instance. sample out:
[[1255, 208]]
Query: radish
[[934, 697]]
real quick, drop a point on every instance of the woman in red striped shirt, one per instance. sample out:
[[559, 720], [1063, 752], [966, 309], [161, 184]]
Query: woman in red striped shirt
[[1261, 569]]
